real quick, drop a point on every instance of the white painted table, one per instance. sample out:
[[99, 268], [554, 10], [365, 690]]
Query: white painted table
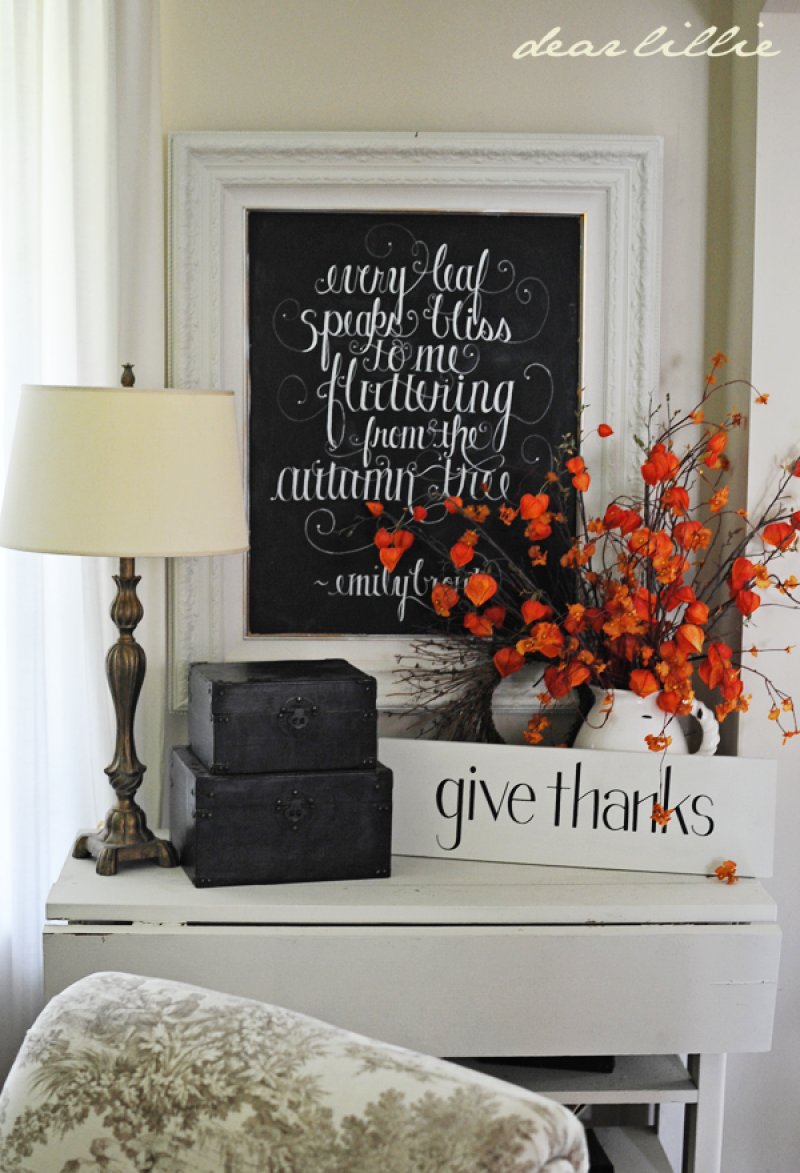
[[465, 959]]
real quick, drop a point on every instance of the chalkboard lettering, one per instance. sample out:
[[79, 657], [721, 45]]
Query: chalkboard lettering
[[402, 359]]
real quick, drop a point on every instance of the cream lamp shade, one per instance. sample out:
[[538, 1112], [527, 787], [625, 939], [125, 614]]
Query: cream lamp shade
[[123, 472]]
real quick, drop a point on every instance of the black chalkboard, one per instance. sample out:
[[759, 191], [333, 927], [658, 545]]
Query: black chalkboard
[[393, 357]]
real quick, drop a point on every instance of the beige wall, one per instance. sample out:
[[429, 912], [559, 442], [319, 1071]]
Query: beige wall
[[447, 65]]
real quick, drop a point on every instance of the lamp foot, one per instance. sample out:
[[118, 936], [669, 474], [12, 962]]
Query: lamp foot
[[125, 837]]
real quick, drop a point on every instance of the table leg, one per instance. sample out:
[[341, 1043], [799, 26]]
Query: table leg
[[702, 1143]]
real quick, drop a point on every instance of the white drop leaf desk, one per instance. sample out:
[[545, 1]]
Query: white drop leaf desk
[[471, 960]]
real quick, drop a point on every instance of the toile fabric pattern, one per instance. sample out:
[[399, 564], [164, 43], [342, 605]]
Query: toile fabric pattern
[[126, 1074]]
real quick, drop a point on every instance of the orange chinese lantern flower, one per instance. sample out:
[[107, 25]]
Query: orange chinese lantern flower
[[604, 431], [562, 678], [625, 520], [612, 516], [461, 554], [375, 508], [419, 513], [533, 505], [556, 682], [746, 602], [714, 448], [660, 815], [382, 538], [444, 598], [675, 595], [496, 615], [507, 514], [403, 539], [780, 534], [691, 535], [478, 625], [696, 612], [661, 465], [532, 611], [538, 529], [643, 682], [717, 662], [480, 588], [390, 556], [676, 500], [689, 638], [742, 572], [507, 661], [453, 504], [731, 685], [669, 701], [641, 542], [580, 477]]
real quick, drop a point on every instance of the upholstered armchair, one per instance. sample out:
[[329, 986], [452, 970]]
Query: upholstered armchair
[[128, 1074]]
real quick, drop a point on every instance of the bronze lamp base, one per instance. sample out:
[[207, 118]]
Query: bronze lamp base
[[125, 835]]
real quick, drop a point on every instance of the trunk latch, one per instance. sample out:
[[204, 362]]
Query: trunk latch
[[296, 713]]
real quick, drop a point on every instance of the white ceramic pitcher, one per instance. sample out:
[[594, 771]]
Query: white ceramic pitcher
[[630, 718]]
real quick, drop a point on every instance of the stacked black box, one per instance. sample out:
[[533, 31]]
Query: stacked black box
[[281, 782]]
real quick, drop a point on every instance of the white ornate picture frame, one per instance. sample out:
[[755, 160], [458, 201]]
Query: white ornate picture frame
[[613, 182]]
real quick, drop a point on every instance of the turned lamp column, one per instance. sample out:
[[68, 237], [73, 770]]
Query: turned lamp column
[[125, 835]]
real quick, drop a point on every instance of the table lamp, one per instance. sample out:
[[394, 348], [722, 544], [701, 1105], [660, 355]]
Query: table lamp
[[112, 471]]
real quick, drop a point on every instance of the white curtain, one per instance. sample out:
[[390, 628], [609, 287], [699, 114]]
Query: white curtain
[[81, 276]]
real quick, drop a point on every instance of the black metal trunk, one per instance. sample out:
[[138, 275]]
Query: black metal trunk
[[280, 828], [257, 717]]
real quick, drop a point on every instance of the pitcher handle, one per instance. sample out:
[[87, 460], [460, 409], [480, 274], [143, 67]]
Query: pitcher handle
[[709, 728]]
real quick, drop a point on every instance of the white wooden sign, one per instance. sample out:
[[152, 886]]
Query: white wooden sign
[[581, 808]]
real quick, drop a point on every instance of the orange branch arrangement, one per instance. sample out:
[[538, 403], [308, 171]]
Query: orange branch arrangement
[[638, 597]]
